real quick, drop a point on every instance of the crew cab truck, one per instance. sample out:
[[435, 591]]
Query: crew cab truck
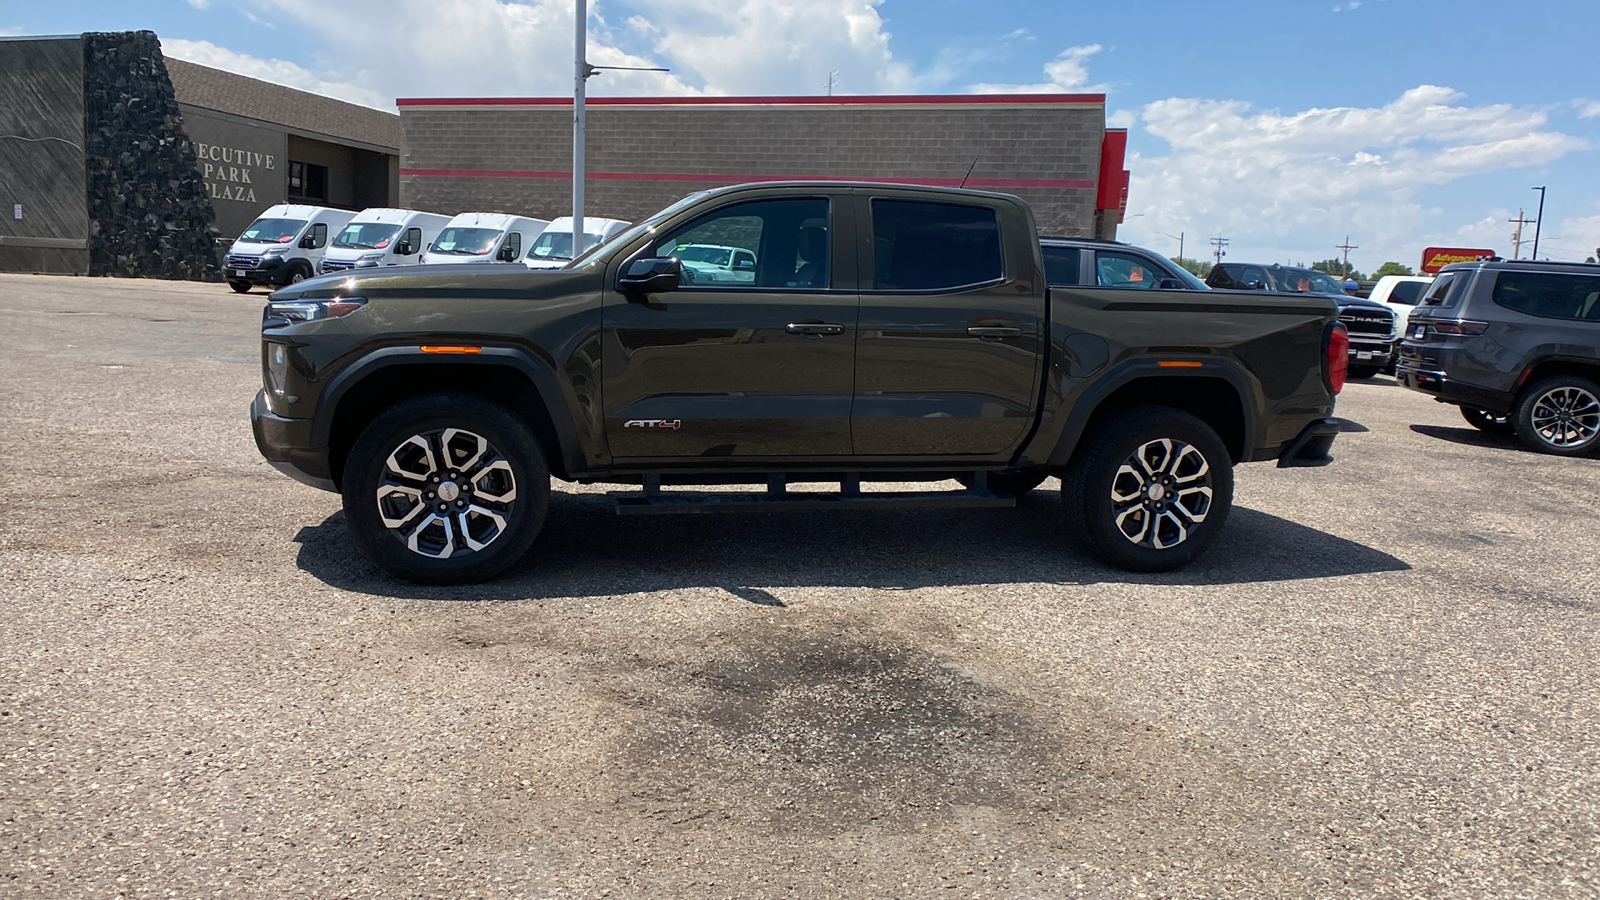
[[889, 333]]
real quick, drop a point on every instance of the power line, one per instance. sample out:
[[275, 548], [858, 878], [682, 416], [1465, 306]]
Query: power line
[[1344, 273], [1516, 236]]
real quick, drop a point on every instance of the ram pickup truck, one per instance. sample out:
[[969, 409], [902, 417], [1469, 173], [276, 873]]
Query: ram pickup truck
[[888, 334]]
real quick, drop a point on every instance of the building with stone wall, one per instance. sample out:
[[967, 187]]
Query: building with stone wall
[[115, 160], [514, 155]]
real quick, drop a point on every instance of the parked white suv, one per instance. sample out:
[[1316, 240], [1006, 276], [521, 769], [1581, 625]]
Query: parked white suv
[[1401, 293]]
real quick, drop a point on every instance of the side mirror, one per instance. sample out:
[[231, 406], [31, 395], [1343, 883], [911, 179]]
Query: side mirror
[[308, 243], [506, 254], [1171, 284], [745, 265], [651, 276]]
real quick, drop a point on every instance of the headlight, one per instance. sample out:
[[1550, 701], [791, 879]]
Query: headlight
[[369, 259], [277, 367], [274, 251], [290, 312]]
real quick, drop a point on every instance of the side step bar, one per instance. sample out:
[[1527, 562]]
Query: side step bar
[[652, 500]]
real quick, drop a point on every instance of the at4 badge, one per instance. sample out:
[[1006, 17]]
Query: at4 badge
[[673, 424]]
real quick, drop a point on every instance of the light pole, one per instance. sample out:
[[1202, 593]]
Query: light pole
[[582, 72], [1177, 237], [1538, 221]]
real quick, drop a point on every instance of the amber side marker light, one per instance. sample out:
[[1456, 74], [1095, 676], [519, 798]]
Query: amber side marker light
[[449, 348], [1179, 364]]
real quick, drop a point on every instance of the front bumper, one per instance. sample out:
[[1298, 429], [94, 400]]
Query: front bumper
[[286, 444], [1367, 352], [1311, 447], [267, 271]]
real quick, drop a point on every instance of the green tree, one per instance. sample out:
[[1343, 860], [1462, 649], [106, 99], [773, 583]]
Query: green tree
[[1199, 268], [1335, 268], [1392, 268]]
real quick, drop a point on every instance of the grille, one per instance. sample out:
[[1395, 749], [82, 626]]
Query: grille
[[242, 261], [1375, 322], [336, 265]]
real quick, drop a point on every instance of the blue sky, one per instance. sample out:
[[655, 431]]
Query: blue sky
[[1281, 124]]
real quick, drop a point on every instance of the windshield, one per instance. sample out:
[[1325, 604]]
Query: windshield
[[366, 235], [644, 227], [272, 231], [465, 241], [558, 244], [716, 256]]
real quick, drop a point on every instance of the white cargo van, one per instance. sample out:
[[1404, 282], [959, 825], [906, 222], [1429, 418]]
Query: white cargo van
[[382, 237], [553, 249], [283, 245], [484, 237]]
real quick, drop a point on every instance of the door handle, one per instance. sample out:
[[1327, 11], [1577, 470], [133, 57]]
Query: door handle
[[813, 328], [994, 331]]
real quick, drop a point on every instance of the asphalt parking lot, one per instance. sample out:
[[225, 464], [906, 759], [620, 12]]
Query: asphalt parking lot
[[1381, 681]]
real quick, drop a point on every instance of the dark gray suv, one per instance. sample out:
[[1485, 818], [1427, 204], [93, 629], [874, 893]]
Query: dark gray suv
[[1516, 345]]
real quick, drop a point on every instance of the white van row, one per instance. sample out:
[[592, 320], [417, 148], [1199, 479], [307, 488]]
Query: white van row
[[289, 243]]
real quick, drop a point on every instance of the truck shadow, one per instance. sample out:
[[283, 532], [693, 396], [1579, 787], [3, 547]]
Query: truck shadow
[[1472, 437], [586, 550]]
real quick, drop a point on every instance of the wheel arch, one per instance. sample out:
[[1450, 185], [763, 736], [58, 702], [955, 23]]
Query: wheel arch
[[506, 376], [1212, 394], [1557, 365]]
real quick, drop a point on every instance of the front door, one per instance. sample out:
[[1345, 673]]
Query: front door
[[948, 359], [754, 355]]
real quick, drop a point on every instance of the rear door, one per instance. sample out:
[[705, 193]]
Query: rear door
[[760, 366], [948, 357]]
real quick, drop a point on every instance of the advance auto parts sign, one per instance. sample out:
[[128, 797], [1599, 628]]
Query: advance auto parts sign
[[1436, 258]]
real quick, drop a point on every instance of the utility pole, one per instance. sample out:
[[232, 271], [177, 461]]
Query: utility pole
[[1344, 273], [1538, 222], [1516, 236], [833, 78], [1220, 242]]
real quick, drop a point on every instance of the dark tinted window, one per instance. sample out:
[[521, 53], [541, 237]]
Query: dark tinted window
[[1442, 292], [1407, 293], [1222, 277], [1255, 277], [931, 246], [319, 234], [1549, 294], [1061, 265]]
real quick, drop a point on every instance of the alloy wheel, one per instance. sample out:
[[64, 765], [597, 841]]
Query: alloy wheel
[[1160, 493], [1567, 416], [446, 493]]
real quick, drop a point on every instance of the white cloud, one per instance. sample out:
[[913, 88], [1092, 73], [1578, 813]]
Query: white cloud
[[1588, 109], [200, 4], [276, 71], [1290, 186], [1067, 73]]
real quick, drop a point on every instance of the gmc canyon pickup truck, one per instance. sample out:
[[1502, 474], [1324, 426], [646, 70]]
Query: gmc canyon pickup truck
[[887, 334]]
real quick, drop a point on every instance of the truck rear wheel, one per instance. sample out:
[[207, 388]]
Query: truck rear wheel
[[1486, 421], [240, 287], [1559, 415], [1149, 490], [446, 488]]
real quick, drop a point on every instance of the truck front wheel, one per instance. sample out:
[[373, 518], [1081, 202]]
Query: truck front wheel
[[446, 488], [1149, 490]]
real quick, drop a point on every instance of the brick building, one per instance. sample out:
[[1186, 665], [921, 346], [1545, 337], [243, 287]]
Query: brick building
[[515, 154]]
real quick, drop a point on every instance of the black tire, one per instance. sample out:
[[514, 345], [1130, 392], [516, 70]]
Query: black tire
[[1559, 415], [240, 287], [1486, 422], [299, 271], [498, 500], [1362, 371], [1017, 484], [1195, 459]]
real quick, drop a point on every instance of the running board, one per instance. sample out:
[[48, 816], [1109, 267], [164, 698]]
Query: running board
[[652, 500]]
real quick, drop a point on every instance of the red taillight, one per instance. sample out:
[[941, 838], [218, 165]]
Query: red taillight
[[1459, 326], [1337, 343]]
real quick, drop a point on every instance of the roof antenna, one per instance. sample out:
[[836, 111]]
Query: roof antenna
[[969, 173]]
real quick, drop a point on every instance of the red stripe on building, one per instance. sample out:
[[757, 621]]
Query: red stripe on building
[[744, 179], [854, 100]]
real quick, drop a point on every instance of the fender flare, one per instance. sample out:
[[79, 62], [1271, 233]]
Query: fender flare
[[538, 372], [1088, 402]]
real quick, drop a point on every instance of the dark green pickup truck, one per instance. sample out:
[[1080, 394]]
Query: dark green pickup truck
[[885, 334]]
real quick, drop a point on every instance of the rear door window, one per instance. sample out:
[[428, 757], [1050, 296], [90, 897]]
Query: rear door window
[[1223, 276], [1407, 293], [1061, 265], [920, 246], [1550, 295], [1443, 291]]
